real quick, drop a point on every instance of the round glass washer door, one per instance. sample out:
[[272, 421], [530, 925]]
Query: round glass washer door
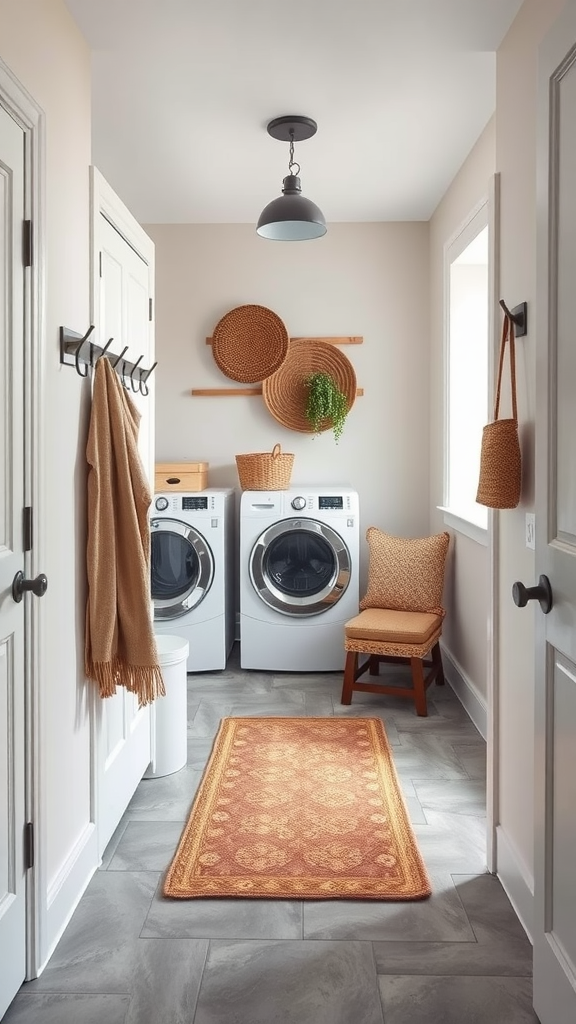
[[181, 568], [300, 567]]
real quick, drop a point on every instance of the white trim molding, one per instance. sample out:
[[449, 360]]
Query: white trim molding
[[67, 888], [461, 525], [468, 694], [516, 880]]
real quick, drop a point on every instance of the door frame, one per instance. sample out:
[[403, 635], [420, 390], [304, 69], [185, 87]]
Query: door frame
[[493, 649], [484, 714], [23, 108]]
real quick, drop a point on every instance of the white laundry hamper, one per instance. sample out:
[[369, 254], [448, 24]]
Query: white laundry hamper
[[169, 714]]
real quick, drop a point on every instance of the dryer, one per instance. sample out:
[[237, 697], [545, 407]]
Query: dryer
[[299, 555], [192, 572]]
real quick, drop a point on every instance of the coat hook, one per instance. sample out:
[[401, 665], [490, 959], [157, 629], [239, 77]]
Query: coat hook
[[138, 361], [77, 353], [145, 376], [519, 317], [105, 349], [115, 364], [144, 389]]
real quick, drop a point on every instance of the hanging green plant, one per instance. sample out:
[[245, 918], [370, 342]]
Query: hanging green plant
[[325, 402]]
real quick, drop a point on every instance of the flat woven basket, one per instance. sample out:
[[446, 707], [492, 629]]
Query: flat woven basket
[[249, 343], [285, 392], [265, 471]]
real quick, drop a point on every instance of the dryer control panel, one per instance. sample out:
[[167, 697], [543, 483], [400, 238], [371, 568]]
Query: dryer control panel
[[189, 503], [327, 501]]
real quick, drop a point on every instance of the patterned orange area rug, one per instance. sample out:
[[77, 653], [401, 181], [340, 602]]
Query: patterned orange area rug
[[299, 808]]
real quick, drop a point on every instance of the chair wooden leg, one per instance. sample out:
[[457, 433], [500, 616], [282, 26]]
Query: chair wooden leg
[[437, 661], [419, 687], [350, 669], [374, 665]]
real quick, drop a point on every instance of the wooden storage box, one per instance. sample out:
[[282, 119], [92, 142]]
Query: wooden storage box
[[180, 476]]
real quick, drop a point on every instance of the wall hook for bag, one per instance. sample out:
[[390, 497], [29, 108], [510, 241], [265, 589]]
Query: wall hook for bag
[[519, 317]]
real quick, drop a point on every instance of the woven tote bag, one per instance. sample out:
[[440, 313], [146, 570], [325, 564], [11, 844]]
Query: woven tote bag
[[500, 459]]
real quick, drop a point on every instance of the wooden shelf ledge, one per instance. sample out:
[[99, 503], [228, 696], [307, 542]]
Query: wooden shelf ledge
[[329, 341], [229, 392]]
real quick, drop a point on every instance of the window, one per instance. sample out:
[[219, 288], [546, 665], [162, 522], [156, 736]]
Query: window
[[467, 346]]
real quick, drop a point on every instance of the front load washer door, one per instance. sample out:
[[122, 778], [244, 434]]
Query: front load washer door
[[182, 568], [300, 567]]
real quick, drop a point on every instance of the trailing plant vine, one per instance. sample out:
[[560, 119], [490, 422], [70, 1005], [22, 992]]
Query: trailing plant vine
[[325, 402]]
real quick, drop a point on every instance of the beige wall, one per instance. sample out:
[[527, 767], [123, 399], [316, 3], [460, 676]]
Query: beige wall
[[516, 160], [360, 279], [44, 49], [466, 626]]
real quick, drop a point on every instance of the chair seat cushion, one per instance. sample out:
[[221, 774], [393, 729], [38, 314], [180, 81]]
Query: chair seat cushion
[[386, 626]]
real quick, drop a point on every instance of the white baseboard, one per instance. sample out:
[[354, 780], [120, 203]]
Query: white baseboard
[[516, 881], [67, 888], [466, 691]]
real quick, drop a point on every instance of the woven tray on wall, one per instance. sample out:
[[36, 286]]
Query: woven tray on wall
[[249, 343], [285, 392]]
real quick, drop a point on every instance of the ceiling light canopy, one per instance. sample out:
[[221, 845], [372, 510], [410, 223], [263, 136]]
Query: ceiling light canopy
[[291, 217]]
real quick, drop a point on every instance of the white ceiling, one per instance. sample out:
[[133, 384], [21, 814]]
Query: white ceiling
[[183, 91]]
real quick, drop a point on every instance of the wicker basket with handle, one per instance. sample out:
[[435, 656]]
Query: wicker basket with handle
[[265, 471], [500, 481]]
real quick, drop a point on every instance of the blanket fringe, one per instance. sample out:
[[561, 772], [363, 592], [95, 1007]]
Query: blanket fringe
[[144, 680]]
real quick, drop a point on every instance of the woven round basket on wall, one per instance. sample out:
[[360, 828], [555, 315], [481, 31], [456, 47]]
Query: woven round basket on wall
[[285, 392], [249, 343]]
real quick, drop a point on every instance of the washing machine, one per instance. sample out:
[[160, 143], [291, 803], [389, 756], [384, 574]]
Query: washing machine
[[192, 572], [299, 563]]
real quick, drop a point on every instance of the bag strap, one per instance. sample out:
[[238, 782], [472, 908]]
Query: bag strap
[[507, 335]]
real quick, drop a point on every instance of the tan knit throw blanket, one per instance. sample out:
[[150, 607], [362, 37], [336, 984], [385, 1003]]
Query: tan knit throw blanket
[[120, 643]]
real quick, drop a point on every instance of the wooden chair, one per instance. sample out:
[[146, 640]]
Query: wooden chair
[[400, 620]]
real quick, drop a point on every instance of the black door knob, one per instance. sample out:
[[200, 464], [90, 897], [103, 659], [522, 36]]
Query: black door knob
[[20, 585], [542, 593]]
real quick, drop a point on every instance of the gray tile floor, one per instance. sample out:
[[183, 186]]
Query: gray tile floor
[[129, 956]]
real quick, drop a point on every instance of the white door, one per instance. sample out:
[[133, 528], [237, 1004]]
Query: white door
[[555, 711], [12, 722], [122, 302]]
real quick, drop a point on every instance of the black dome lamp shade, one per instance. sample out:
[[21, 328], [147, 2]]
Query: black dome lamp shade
[[291, 217]]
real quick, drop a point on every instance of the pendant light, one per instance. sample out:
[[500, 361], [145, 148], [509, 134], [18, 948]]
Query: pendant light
[[291, 217]]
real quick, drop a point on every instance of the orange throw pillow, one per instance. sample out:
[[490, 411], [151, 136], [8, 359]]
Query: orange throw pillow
[[406, 574]]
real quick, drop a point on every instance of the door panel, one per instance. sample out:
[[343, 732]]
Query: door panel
[[124, 729], [12, 721], [555, 708]]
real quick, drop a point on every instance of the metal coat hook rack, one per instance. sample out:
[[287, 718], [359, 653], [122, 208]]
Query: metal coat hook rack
[[77, 350], [519, 317]]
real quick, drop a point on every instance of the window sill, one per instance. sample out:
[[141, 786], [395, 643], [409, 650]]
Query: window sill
[[465, 526]]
